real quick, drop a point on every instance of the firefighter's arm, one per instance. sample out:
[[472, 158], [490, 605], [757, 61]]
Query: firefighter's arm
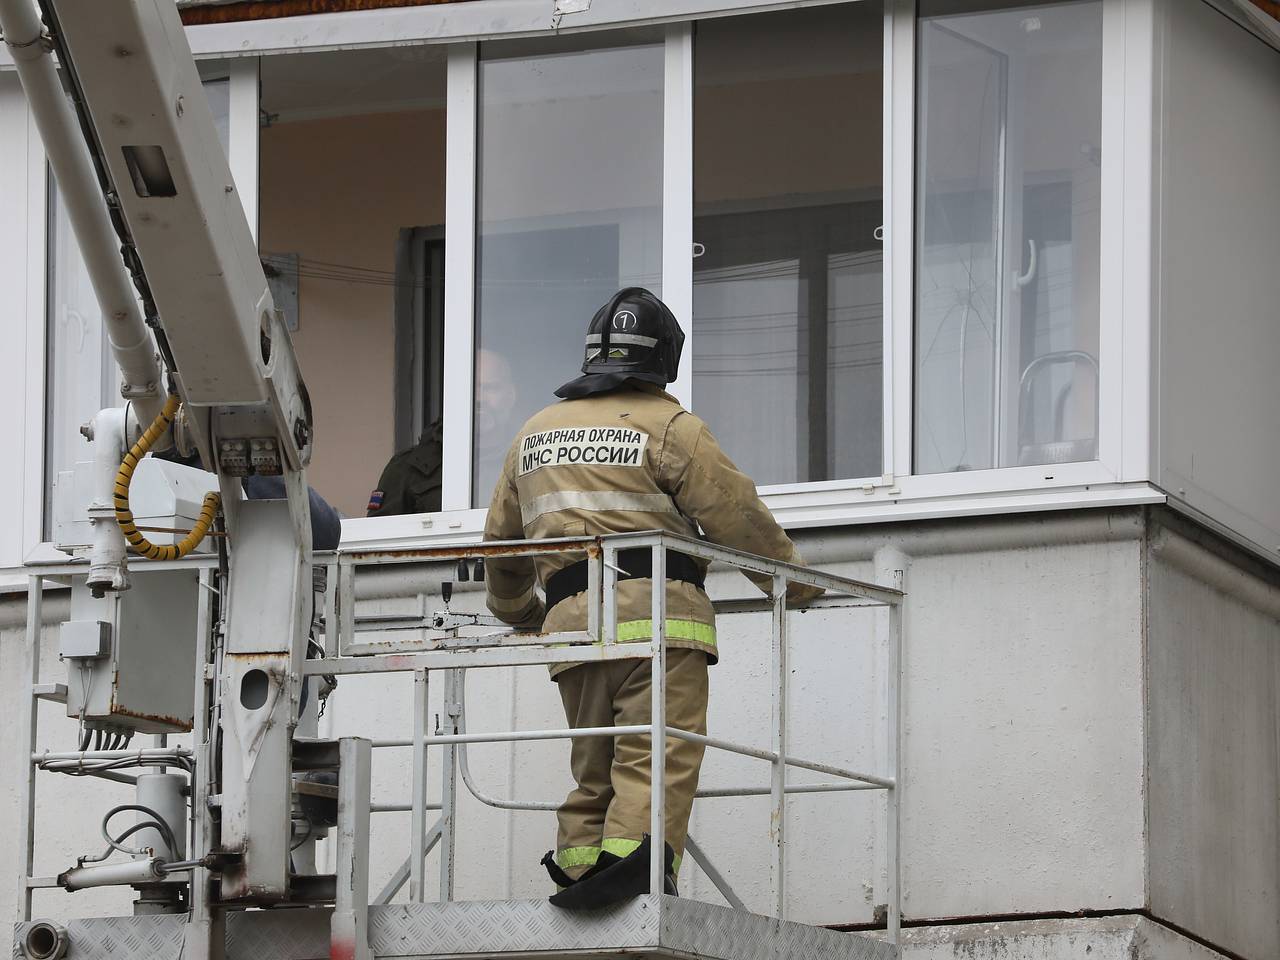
[[510, 581], [709, 488]]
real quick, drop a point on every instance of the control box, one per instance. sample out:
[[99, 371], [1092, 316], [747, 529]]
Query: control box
[[131, 656]]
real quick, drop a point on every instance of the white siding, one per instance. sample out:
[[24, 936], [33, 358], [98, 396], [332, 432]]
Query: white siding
[[1218, 289], [1023, 734], [1023, 738], [22, 213], [1214, 747]]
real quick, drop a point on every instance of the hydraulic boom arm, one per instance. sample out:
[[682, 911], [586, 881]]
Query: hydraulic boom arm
[[152, 201]]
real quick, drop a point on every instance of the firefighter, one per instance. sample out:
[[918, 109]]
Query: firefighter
[[620, 454]]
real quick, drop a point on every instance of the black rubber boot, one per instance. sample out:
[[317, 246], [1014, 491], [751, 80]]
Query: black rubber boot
[[608, 883], [562, 879]]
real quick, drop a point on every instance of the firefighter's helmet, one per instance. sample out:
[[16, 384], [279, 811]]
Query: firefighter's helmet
[[632, 337]]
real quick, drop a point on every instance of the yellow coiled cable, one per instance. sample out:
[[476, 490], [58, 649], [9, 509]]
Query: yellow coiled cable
[[124, 476]]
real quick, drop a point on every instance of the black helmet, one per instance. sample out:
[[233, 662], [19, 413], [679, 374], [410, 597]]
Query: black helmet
[[632, 337]]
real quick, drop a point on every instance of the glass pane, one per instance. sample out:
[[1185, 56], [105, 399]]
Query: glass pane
[[82, 376], [569, 210], [1008, 181], [787, 297], [356, 255], [219, 94]]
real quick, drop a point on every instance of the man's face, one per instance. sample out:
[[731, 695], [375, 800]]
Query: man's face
[[495, 398]]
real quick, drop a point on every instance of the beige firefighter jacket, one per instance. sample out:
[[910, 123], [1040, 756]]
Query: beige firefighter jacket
[[627, 460]]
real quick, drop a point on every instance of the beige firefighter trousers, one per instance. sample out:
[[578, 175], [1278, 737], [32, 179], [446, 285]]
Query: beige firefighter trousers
[[609, 807]]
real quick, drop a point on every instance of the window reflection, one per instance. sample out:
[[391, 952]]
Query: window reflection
[[569, 211], [787, 328], [82, 376], [1009, 133]]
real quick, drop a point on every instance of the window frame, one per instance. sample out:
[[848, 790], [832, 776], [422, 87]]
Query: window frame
[[844, 499], [241, 75], [1130, 109], [1118, 476], [23, 186], [1122, 472], [462, 105]]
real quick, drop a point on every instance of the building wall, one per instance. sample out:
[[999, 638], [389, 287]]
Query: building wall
[[1213, 680], [337, 191], [1023, 732], [1216, 284], [1023, 737]]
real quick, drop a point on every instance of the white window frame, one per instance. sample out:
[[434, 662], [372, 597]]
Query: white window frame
[[32, 226], [461, 198], [22, 368], [242, 144], [1122, 472], [461, 131]]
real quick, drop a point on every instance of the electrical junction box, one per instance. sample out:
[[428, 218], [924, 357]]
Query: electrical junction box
[[84, 639], [145, 679]]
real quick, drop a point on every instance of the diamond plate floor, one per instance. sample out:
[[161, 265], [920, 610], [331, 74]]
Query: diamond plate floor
[[647, 927]]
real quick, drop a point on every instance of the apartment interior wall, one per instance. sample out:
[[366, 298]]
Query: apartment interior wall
[[336, 191], [727, 133]]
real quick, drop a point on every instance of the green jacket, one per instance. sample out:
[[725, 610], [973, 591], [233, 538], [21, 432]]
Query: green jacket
[[410, 482]]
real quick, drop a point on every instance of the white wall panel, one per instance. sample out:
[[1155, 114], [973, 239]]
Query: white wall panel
[[22, 359], [1214, 747], [1023, 738], [1024, 732], [1218, 447]]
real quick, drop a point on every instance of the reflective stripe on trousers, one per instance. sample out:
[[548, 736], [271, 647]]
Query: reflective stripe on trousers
[[630, 631]]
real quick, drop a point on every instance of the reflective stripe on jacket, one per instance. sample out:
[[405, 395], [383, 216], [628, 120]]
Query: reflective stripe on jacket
[[627, 460]]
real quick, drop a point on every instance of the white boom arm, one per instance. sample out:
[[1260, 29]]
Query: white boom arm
[[154, 172]]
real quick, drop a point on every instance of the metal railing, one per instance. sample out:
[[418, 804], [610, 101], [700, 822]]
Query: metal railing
[[425, 644], [421, 645]]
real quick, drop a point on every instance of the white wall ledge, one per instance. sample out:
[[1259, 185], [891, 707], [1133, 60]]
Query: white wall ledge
[[794, 511]]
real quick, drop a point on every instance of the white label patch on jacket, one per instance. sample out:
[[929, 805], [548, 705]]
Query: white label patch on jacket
[[590, 446]]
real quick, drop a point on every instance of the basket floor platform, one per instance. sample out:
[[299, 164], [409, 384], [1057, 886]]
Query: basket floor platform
[[647, 927]]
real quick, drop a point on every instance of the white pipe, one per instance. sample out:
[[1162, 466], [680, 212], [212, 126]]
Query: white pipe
[[844, 544], [126, 872], [511, 736], [86, 208], [1216, 571], [164, 753], [108, 568], [638, 730], [937, 538]]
